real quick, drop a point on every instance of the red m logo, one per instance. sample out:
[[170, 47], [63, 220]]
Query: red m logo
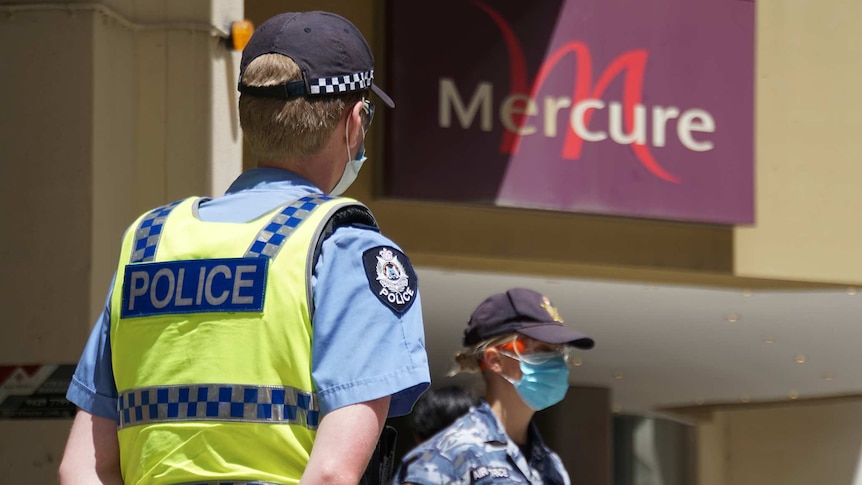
[[586, 98]]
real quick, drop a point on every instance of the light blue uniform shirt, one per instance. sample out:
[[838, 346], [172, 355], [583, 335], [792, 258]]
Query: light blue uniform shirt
[[361, 349], [476, 449]]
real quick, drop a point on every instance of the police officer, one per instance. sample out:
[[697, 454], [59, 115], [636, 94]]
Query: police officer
[[518, 341], [263, 336]]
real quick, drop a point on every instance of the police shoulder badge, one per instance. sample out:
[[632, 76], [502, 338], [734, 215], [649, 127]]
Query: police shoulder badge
[[391, 277]]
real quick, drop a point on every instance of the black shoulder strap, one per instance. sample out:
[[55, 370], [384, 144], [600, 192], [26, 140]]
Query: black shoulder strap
[[347, 215]]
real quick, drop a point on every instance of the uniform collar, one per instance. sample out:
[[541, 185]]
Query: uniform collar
[[538, 450], [270, 179], [500, 436]]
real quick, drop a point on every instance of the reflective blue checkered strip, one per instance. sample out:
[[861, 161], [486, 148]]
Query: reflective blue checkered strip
[[148, 233], [347, 83], [270, 239], [218, 402]]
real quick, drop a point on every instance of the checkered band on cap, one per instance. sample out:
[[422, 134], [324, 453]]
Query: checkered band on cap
[[149, 233], [218, 402], [347, 83], [270, 239]]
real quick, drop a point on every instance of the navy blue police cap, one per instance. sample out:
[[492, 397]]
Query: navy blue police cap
[[331, 52], [523, 311]]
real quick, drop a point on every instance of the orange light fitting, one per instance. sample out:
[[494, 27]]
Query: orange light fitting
[[240, 33]]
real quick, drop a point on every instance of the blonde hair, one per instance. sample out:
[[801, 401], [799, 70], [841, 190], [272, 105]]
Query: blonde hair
[[469, 360], [287, 129]]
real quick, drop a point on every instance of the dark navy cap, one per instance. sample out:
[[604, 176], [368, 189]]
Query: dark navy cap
[[331, 52], [523, 311]]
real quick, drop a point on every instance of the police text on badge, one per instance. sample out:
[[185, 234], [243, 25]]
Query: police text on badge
[[194, 286]]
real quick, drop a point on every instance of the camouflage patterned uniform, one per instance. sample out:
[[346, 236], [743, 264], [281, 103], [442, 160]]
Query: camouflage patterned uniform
[[476, 449]]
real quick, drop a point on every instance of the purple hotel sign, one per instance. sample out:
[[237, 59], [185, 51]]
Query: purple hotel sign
[[637, 108]]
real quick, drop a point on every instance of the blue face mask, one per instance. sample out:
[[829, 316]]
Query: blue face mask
[[542, 385], [351, 170]]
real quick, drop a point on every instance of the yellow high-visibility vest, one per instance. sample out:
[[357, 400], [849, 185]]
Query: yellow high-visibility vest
[[211, 344]]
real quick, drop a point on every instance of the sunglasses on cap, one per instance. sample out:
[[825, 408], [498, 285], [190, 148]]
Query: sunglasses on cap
[[532, 351]]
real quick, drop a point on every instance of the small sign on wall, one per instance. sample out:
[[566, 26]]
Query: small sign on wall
[[35, 391]]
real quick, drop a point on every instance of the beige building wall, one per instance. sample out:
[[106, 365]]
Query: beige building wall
[[800, 444], [46, 145], [809, 164]]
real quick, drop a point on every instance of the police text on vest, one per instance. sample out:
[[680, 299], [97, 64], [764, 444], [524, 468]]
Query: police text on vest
[[194, 286]]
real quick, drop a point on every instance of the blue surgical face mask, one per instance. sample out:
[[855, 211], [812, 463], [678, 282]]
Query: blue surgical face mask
[[352, 168], [542, 385]]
